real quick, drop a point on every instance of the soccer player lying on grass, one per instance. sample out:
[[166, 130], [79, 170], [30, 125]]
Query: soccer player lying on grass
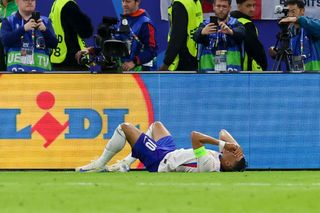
[[157, 151]]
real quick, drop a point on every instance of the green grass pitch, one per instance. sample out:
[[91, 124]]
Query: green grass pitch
[[143, 192]]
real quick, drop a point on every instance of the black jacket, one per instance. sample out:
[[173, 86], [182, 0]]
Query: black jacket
[[252, 45]]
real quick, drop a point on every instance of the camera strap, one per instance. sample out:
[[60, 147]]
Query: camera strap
[[27, 49], [298, 59], [222, 39], [301, 42]]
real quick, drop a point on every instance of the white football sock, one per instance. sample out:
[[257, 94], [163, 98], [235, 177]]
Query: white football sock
[[115, 145], [129, 159]]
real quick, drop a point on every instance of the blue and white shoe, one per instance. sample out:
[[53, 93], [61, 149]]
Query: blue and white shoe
[[94, 166]]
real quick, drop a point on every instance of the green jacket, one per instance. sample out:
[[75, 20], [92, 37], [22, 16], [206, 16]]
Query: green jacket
[[9, 9]]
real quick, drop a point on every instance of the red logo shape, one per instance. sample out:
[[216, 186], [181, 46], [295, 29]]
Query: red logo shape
[[48, 126]]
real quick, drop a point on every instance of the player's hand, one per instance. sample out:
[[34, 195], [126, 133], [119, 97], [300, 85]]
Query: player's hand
[[209, 29], [231, 147], [225, 29], [40, 25], [238, 153], [30, 25]]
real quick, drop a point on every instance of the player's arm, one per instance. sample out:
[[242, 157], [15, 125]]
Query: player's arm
[[224, 135], [207, 163], [199, 139]]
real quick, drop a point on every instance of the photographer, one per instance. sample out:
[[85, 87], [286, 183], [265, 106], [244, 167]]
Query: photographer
[[27, 39], [140, 36], [7, 8], [221, 40], [144, 46], [304, 37]]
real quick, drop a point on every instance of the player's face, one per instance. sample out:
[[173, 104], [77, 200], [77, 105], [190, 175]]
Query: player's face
[[248, 7], [295, 11], [130, 6], [222, 9], [228, 160]]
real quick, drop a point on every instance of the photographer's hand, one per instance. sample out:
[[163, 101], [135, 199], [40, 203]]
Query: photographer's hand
[[273, 52], [80, 54], [209, 29], [84, 52], [41, 26], [224, 28], [289, 20], [127, 66], [30, 25]]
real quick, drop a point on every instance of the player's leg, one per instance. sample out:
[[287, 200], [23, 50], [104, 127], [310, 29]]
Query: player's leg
[[159, 131], [132, 135], [131, 132], [155, 131], [122, 133]]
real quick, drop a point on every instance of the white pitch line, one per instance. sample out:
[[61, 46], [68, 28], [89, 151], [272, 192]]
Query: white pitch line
[[179, 184], [174, 184], [246, 184]]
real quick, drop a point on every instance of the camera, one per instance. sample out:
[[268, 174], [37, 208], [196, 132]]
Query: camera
[[279, 9], [282, 46], [108, 49]]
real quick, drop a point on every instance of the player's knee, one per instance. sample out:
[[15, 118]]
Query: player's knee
[[126, 126], [157, 124]]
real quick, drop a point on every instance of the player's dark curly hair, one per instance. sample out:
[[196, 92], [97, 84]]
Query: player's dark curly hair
[[240, 165], [299, 3]]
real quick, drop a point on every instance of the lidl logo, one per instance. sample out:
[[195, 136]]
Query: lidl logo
[[66, 116], [50, 128]]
